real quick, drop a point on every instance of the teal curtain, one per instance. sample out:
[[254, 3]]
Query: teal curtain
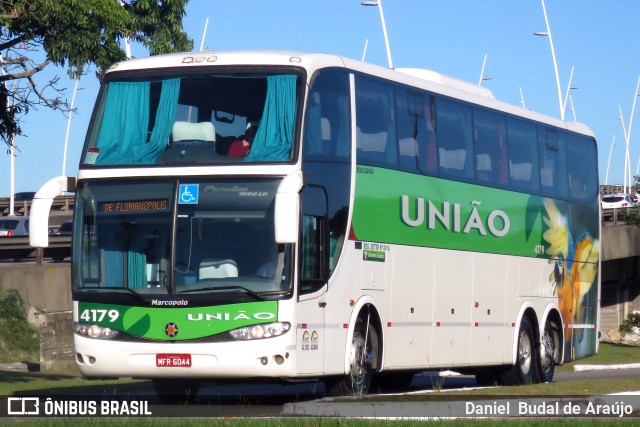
[[274, 139], [113, 256], [137, 259], [125, 123], [165, 116], [136, 269]]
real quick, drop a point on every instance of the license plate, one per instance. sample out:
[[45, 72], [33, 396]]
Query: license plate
[[173, 360]]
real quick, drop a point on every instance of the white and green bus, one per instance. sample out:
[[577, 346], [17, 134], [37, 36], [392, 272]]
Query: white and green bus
[[279, 216]]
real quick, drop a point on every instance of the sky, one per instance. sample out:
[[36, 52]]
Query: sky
[[599, 40]]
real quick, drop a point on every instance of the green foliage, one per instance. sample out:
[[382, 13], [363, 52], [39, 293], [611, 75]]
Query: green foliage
[[76, 35], [629, 217], [18, 339], [12, 306], [632, 321]]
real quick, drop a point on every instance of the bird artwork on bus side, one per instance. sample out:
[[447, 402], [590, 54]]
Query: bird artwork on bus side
[[575, 270]]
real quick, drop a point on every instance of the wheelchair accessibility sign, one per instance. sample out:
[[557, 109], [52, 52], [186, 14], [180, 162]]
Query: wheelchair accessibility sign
[[188, 194]]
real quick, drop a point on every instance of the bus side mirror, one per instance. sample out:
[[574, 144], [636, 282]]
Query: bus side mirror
[[287, 208], [41, 205]]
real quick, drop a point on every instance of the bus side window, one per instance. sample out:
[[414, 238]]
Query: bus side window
[[583, 182], [327, 133], [523, 159], [313, 246], [553, 175], [409, 115], [455, 151], [376, 140], [490, 147]]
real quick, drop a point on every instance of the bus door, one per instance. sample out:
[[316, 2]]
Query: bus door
[[313, 274]]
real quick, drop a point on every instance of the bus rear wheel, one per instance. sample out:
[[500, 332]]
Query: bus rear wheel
[[549, 351], [524, 371], [362, 360], [176, 390]]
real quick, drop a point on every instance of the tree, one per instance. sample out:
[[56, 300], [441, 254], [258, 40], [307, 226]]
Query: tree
[[76, 35]]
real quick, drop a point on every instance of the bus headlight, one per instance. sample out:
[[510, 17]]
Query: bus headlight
[[257, 332], [94, 331]]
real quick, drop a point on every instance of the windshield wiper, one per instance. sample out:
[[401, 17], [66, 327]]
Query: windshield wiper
[[117, 290], [223, 288]]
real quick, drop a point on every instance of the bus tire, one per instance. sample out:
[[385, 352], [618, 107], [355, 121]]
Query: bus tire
[[176, 390], [361, 361], [524, 371], [549, 351]]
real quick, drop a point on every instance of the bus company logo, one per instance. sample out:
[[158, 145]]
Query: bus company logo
[[240, 315], [452, 217], [169, 303], [171, 330]]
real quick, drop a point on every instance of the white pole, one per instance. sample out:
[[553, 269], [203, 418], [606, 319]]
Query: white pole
[[127, 42], [484, 63], [613, 144], [555, 65], [521, 97], [626, 157], [575, 118], [66, 139], [627, 137], [384, 30], [12, 156], [566, 96], [364, 52], [635, 98], [204, 34]]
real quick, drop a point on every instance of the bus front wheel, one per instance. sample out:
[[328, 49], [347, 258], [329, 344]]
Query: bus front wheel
[[362, 360]]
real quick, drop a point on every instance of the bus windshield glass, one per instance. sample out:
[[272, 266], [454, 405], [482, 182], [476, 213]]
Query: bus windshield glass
[[189, 237], [194, 119]]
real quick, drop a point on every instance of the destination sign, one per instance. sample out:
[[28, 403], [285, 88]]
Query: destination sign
[[155, 205]]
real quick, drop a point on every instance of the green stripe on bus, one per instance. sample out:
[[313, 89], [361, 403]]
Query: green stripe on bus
[[187, 322], [417, 210]]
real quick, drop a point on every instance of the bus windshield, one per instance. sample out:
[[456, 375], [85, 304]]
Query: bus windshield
[[194, 119], [187, 237]]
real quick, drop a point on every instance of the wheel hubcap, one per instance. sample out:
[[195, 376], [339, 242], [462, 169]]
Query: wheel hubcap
[[524, 353]]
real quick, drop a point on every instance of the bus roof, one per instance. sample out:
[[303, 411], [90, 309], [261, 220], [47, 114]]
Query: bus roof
[[420, 78]]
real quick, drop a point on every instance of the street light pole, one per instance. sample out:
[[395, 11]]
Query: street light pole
[[66, 139], [204, 34], [613, 144], [566, 96], [553, 56], [521, 98], [626, 157], [482, 76], [384, 27]]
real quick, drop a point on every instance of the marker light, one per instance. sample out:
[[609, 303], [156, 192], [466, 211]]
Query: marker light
[[94, 331], [257, 332]]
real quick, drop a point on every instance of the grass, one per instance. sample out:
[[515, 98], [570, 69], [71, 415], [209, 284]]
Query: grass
[[608, 354], [315, 422]]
